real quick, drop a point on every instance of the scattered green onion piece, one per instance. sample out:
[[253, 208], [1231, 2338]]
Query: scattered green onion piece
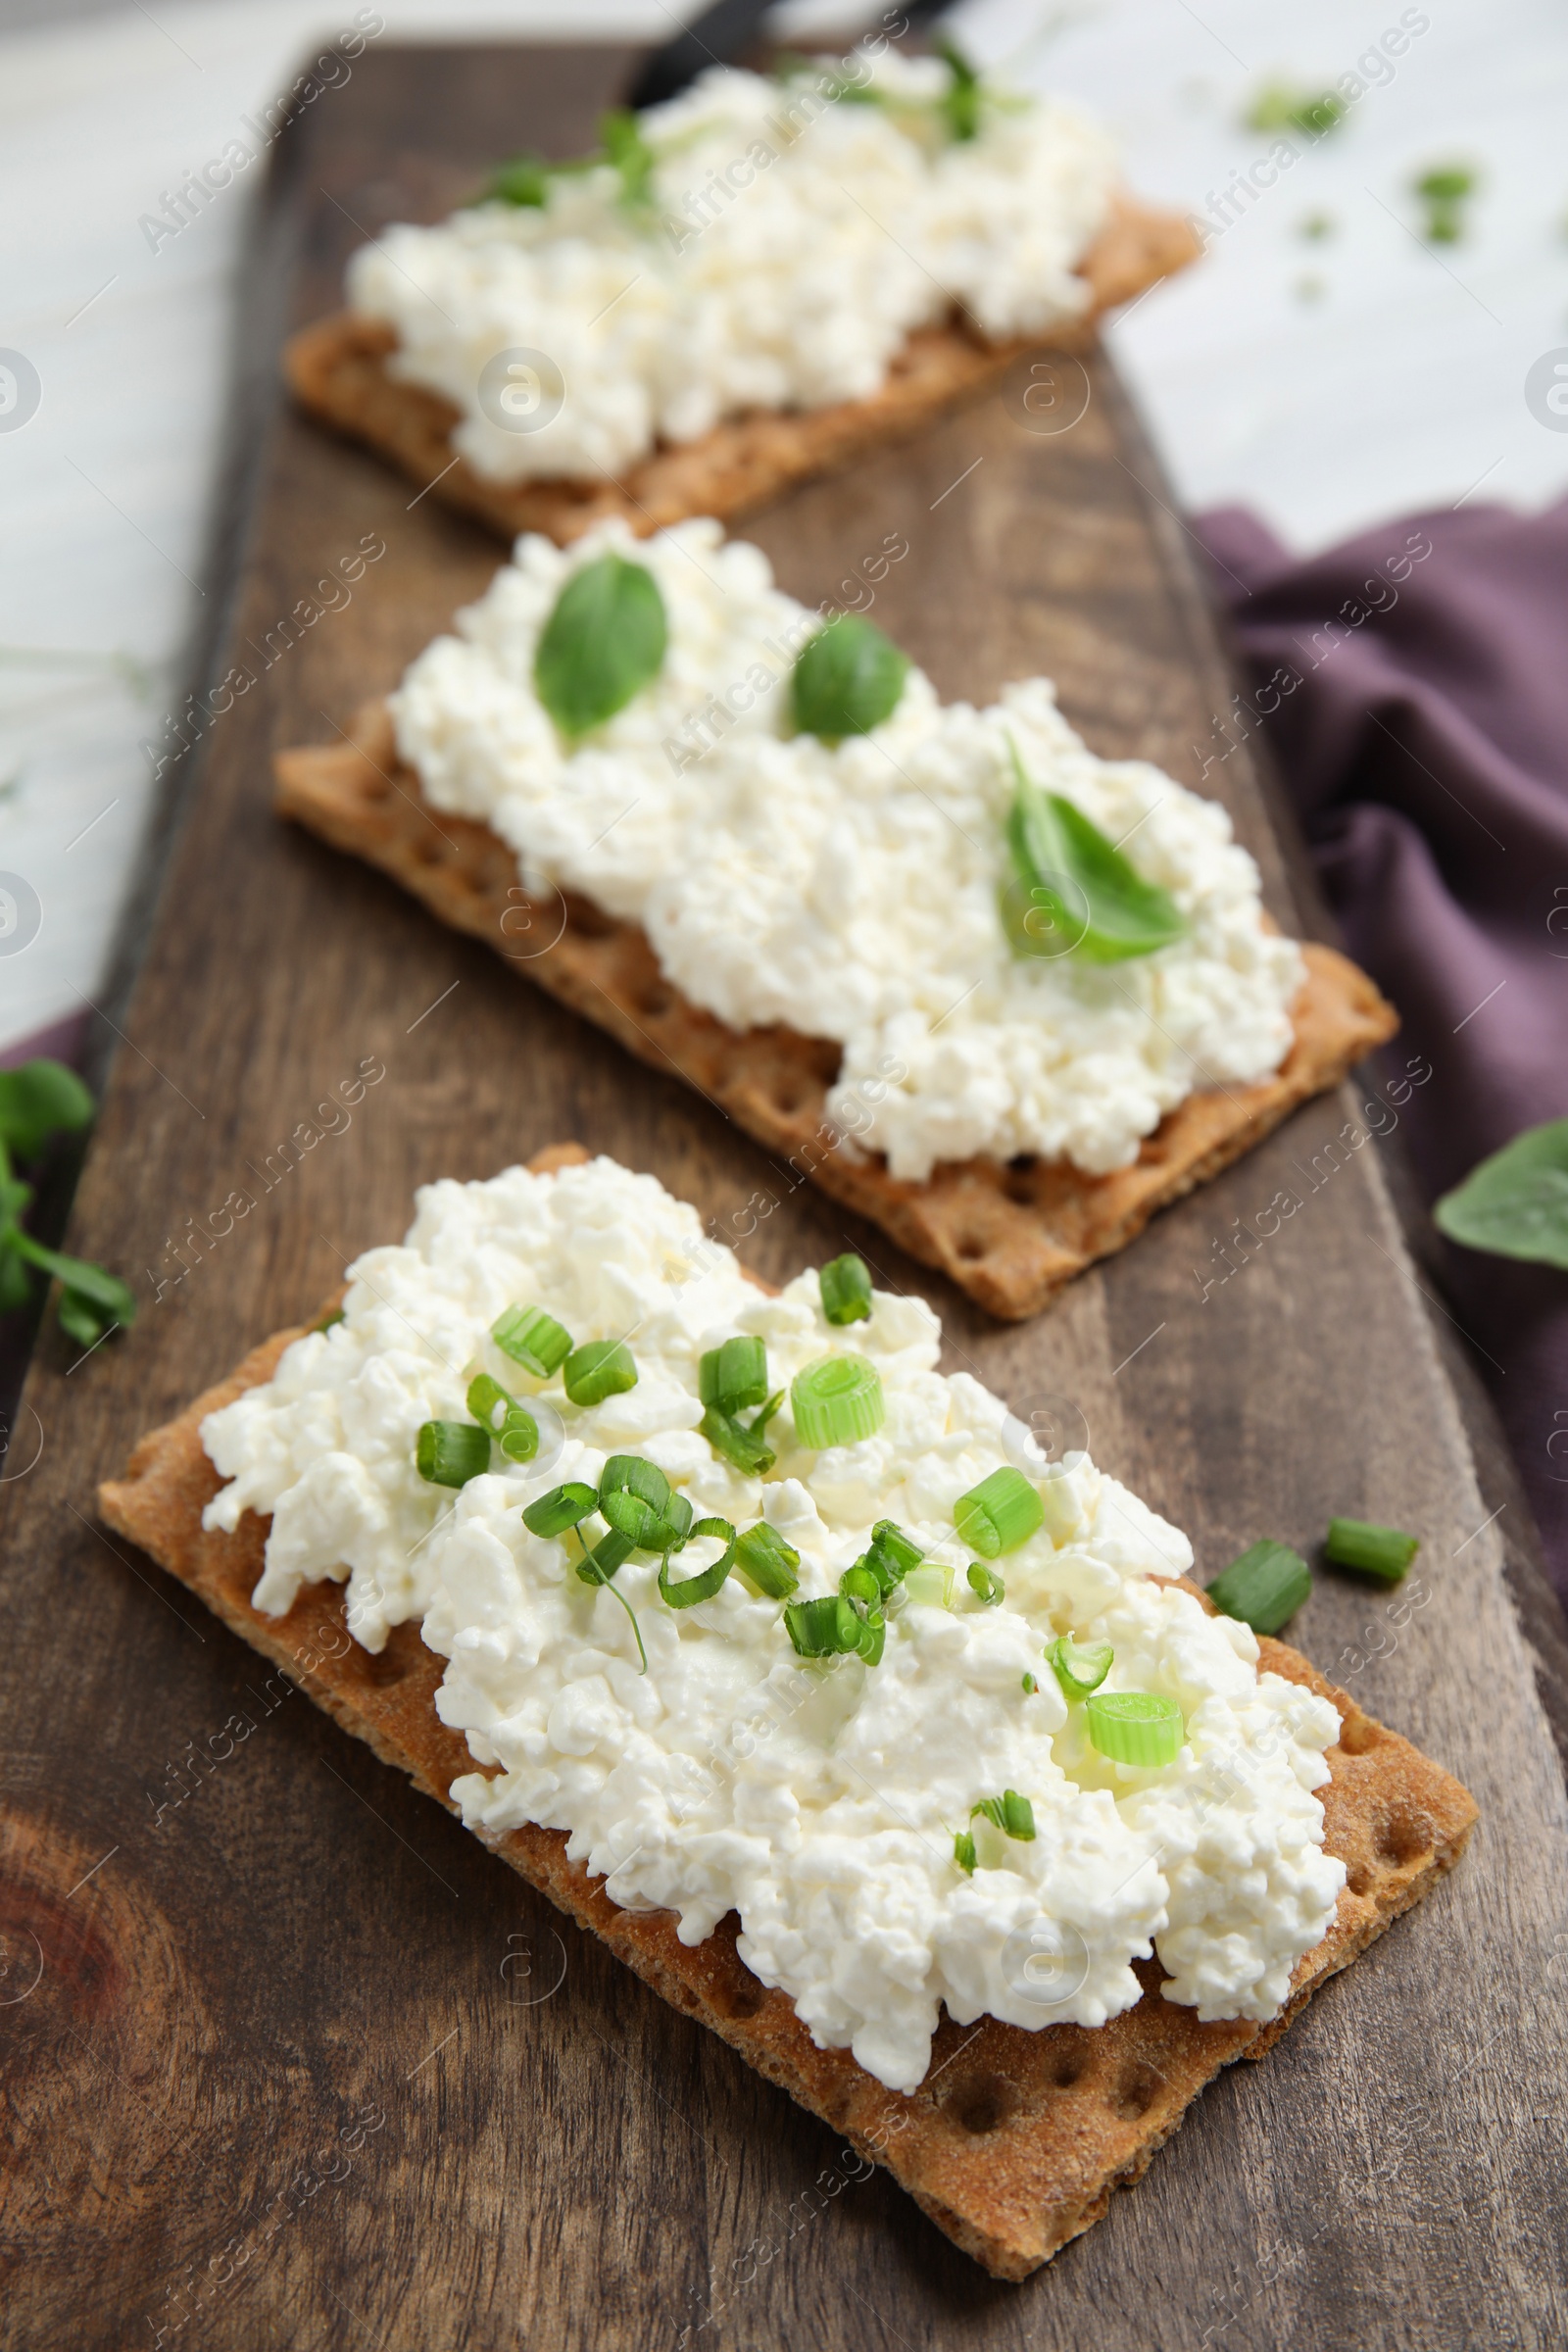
[[327, 1320], [630, 1474], [822, 1629], [510, 1424], [860, 1584], [674, 1532], [708, 1581], [736, 1443], [871, 1638], [1030, 1685], [601, 1560], [1079, 1666], [1135, 1727], [963, 1852], [987, 1583], [931, 1585], [1264, 1588], [562, 1508], [837, 1401], [959, 104], [767, 1563], [1381, 1551], [603, 1368], [734, 1375], [532, 1339], [449, 1452], [846, 1287], [889, 1556], [1010, 1813], [999, 1514]]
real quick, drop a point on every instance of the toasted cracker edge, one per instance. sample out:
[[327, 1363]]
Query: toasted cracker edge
[[337, 369], [1015, 2141], [1010, 1235]]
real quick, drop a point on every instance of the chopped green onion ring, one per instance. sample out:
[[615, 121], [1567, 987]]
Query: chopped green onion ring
[[767, 1563], [1264, 1588], [1135, 1727], [837, 1401], [1010, 1813], [448, 1454], [987, 1583], [737, 1442], [708, 1581], [532, 1339], [735, 1375], [510, 1424], [600, 1369], [562, 1508], [999, 1514], [963, 1852], [846, 1287], [1080, 1667], [1381, 1551]]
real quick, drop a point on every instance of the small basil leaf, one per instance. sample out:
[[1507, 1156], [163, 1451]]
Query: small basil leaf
[[15, 1283], [85, 1287], [605, 640], [1515, 1203], [39, 1100], [847, 679], [1072, 890]]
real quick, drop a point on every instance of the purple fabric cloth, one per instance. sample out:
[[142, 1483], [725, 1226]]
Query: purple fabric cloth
[[1412, 686]]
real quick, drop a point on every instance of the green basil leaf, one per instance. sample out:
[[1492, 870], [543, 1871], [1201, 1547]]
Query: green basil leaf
[[1072, 890], [605, 640], [847, 679], [86, 1289], [15, 1283], [39, 1100], [1515, 1204]]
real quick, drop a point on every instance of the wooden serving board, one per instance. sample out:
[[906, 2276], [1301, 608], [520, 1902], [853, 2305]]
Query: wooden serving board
[[288, 2058]]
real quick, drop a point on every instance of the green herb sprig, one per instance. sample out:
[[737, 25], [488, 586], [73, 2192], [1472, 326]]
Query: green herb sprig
[[1279, 107], [37, 1101], [1072, 890], [605, 639], [1515, 1203], [526, 180]]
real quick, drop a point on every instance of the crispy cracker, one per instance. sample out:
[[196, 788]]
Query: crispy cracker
[[1009, 1234], [1016, 2139], [338, 370]]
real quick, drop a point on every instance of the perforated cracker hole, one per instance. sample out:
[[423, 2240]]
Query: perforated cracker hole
[[654, 999], [1358, 1733], [1404, 1837], [1358, 1879], [983, 2104], [1068, 2069], [742, 2001], [1135, 2094], [972, 1246], [591, 922]]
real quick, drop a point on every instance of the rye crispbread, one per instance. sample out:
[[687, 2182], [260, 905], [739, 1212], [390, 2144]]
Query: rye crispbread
[[1015, 2140], [338, 370], [1010, 1235]]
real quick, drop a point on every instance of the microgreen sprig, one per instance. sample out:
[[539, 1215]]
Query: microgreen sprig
[[37, 1101]]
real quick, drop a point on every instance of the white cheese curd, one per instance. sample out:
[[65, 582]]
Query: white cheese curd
[[819, 1801], [787, 250], [851, 890]]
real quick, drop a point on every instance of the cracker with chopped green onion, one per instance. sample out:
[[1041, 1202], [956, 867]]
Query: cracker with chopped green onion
[[338, 370], [1016, 2139], [1011, 1236]]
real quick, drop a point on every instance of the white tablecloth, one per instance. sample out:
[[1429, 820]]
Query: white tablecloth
[[1326, 381]]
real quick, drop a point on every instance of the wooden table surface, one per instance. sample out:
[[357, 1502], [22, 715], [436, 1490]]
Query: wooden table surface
[[288, 2059]]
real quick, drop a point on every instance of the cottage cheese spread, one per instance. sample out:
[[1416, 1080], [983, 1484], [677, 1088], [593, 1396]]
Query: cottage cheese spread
[[788, 248], [851, 890], [819, 1802]]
